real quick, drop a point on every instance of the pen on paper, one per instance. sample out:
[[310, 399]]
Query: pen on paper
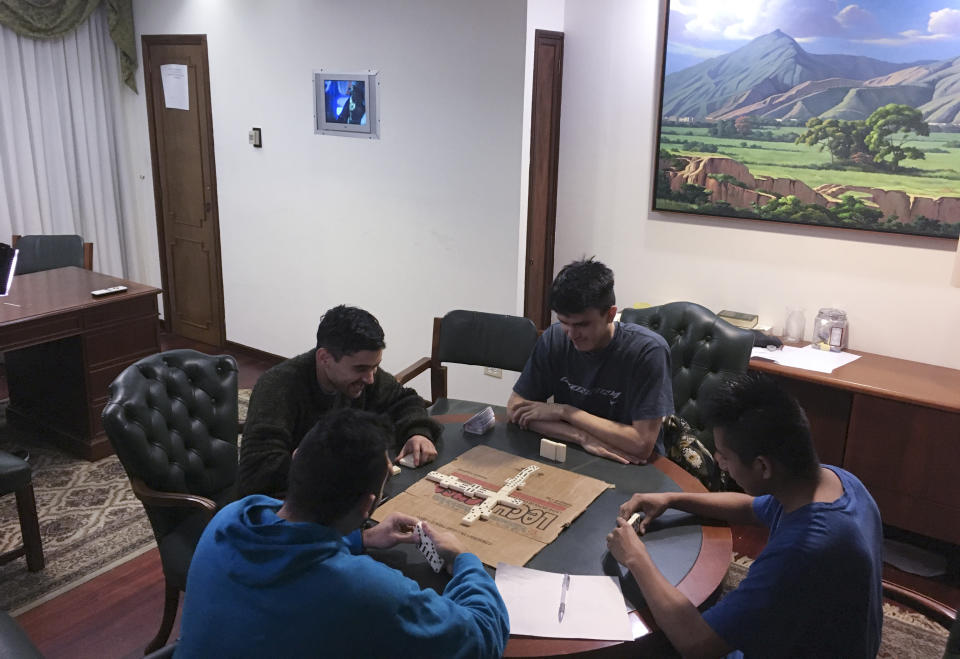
[[563, 597]]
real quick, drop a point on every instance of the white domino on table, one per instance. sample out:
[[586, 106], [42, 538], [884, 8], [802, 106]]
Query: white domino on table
[[551, 450], [491, 499]]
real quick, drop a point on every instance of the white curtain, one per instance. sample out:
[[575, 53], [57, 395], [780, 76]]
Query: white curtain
[[64, 158]]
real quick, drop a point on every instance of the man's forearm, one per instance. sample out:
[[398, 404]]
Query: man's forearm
[[623, 437], [679, 619], [732, 507]]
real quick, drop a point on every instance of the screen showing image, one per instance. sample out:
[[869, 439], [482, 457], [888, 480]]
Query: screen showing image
[[8, 265], [345, 101]]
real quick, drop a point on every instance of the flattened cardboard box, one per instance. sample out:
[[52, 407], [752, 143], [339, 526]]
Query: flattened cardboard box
[[552, 499]]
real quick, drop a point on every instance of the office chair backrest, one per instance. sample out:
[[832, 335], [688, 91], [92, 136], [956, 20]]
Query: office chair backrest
[[485, 339], [48, 252], [172, 420], [703, 349]]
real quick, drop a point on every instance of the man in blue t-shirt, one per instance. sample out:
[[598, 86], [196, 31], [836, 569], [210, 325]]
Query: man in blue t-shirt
[[815, 590], [610, 381], [290, 578]]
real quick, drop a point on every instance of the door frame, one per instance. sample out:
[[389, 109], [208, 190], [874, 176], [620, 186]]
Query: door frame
[[542, 178], [146, 41]]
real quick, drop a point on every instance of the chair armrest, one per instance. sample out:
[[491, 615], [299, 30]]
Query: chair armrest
[[153, 497], [412, 371], [928, 606]]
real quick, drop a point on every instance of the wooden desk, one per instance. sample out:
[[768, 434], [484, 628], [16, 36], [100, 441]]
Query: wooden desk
[[896, 425], [698, 578], [63, 348]]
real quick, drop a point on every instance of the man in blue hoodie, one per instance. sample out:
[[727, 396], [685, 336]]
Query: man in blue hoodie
[[272, 578]]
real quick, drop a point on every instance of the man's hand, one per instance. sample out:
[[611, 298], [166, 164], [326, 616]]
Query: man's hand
[[531, 410], [651, 505], [396, 528], [591, 444], [448, 545], [421, 448], [624, 543]]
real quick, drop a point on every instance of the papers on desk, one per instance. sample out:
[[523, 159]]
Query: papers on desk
[[594, 607], [809, 358]]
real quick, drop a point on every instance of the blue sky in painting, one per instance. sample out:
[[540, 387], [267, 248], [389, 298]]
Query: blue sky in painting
[[890, 30]]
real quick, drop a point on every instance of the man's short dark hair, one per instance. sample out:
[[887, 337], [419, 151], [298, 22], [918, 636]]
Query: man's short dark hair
[[757, 418], [341, 459], [582, 285], [345, 330]]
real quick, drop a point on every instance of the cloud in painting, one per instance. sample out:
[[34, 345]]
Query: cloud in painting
[[943, 25], [858, 22], [706, 20], [945, 21]]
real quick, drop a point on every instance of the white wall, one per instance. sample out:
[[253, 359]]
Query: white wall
[[895, 289], [409, 226]]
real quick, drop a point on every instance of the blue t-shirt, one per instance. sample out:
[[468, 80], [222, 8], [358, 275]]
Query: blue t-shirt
[[628, 380], [815, 590]]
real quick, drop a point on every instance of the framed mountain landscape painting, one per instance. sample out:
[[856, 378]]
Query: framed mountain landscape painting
[[813, 112]]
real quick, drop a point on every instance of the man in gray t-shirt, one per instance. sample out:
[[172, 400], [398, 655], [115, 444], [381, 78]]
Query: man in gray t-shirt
[[610, 381]]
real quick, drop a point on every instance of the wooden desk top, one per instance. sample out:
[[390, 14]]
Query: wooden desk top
[[885, 377], [52, 292]]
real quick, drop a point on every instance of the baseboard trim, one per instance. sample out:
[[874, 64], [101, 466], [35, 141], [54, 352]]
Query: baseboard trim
[[253, 352]]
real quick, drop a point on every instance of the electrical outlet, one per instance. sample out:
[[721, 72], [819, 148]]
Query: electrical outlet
[[493, 372]]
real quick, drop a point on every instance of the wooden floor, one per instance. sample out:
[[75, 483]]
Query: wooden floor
[[117, 613]]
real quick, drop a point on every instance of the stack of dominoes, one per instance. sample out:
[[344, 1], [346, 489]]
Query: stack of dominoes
[[480, 422], [427, 548], [551, 450]]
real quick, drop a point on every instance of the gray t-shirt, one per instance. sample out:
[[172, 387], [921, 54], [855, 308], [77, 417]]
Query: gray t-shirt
[[626, 381]]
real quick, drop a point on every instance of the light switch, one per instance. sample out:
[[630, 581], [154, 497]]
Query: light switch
[[255, 137]]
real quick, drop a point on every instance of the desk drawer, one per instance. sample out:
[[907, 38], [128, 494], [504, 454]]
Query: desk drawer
[[120, 343], [119, 311], [34, 332], [908, 456]]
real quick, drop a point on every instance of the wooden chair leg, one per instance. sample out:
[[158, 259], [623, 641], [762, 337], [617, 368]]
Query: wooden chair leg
[[171, 601], [30, 528]]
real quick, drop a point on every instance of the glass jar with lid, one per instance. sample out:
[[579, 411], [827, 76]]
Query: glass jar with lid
[[830, 329]]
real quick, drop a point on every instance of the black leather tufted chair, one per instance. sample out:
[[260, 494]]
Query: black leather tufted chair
[[703, 348], [172, 420], [472, 337]]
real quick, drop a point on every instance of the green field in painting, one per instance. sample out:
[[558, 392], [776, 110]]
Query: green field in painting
[[940, 177]]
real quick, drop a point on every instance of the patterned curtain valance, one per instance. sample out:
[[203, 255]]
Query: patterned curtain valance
[[48, 19]]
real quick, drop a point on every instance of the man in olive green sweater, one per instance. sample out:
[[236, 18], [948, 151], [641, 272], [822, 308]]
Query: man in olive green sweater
[[343, 371]]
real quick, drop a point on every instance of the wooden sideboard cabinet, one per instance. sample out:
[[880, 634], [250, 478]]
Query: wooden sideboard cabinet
[[896, 425]]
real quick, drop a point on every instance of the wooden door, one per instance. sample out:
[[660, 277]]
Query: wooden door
[[185, 190], [544, 158]]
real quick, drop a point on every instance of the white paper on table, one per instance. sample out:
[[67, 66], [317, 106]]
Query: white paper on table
[[594, 606], [810, 358], [176, 93]]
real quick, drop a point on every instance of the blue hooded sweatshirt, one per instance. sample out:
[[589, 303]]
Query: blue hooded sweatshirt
[[262, 586]]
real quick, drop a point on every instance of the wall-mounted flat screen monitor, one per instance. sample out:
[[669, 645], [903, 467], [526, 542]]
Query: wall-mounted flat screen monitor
[[346, 104], [8, 265]]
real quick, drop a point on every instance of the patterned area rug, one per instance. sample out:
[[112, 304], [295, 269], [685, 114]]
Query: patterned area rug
[[90, 521], [906, 634]]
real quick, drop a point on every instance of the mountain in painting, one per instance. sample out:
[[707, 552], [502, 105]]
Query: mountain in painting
[[775, 78]]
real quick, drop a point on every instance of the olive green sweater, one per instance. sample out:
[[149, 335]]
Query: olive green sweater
[[287, 401]]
